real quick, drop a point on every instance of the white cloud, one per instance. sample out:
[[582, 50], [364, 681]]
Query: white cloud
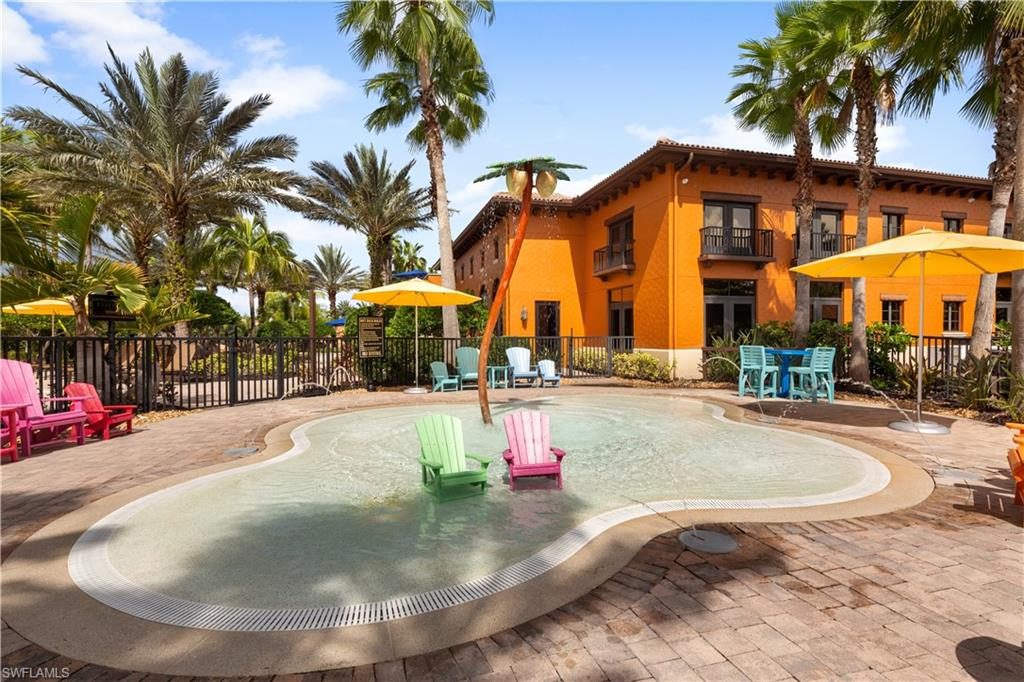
[[263, 48], [574, 188], [20, 44], [87, 27], [295, 90], [721, 130]]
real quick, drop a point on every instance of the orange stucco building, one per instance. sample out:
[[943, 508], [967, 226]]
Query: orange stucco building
[[686, 242]]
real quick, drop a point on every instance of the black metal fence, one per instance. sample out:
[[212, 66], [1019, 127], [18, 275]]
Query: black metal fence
[[196, 372]]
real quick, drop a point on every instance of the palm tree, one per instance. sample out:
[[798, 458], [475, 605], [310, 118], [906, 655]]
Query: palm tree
[[366, 196], [257, 254], [405, 256], [788, 102], [166, 138], [71, 270], [136, 233], [847, 40], [516, 173], [430, 40], [939, 42], [332, 272]]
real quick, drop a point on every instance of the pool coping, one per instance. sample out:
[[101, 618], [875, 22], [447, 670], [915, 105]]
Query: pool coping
[[43, 603]]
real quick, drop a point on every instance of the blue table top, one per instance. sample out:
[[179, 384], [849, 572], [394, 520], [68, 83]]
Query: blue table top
[[791, 352]]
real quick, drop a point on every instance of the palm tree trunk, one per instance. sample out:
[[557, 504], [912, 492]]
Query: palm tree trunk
[[377, 252], [1017, 310], [252, 308], [499, 295], [178, 276], [803, 150], [439, 187], [867, 149], [332, 299], [1004, 143]]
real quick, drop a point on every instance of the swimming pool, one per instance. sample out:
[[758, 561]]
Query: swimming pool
[[337, 531]]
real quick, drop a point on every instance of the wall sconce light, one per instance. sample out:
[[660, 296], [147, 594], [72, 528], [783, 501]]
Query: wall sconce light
[[524, 315]]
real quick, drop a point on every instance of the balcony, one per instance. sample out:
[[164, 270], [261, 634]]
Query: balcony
[[746, 244], [613, 258], [825, 244]]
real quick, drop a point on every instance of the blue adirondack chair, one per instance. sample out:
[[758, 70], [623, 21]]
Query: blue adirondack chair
[[442, 380], [815, 379], [546, 368], [519, 360], [756, 374], [443, 460], [466, 360]]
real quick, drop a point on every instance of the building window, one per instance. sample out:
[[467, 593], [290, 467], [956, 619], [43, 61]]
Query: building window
[[1008, 230], [729, 306], [729, 228], [497, 253], [620, 311], [827, 301], [952, 316], [620, 242], [546, 318], [892, 225], [892, 312], [1004, 298], [471, 259], [953, 224], [462, 271]]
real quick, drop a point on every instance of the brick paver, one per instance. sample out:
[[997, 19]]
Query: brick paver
[[928, 593]]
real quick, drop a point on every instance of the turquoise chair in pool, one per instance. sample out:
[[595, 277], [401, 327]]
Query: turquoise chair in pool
[[757, 375], [466, 364], [443, 460], [442, 380], [814, 379]]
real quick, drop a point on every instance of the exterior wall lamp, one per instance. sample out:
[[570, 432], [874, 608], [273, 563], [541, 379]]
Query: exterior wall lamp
[[524, 314]]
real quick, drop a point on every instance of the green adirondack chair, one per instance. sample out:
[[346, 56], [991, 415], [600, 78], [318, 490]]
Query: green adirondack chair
[[443, 460]]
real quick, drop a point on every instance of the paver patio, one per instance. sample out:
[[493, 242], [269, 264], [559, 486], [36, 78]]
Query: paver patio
[[933, 592]]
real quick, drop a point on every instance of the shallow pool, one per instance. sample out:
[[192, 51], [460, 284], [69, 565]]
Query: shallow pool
[[342, 519]]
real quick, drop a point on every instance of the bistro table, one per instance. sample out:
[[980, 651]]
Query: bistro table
[[498, 376], [786, 357]]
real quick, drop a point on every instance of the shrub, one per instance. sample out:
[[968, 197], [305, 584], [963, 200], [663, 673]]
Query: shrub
[[723, 362], [772, 333], [976, 381], [219, 313], [884, 341], [641, 366], [1011, 401]]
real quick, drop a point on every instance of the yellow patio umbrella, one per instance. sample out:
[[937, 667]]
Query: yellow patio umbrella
[[922, 253], [44, 306], [416, 293]]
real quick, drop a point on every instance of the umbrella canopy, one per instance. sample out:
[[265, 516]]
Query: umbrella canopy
[[418, 293], [44, 306], [921, 253], [945, 253], [415, 292]]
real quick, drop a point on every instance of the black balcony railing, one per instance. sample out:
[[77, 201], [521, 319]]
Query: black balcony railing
[[825, 244], [613, 257], [740, 243]]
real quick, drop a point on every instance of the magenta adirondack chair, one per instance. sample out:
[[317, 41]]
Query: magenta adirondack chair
[[529, 450], [18, 386]]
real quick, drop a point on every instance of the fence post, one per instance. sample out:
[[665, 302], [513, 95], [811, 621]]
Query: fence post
[[569, 357], [608, 355], [233, 369], [279, 366]]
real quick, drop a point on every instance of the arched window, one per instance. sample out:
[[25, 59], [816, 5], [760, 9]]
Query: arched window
[[483, 293]]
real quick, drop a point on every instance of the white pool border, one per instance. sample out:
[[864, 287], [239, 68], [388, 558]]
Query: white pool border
[[91, 569]]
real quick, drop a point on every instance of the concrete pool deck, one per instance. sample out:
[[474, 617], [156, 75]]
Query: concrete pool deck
[[33, 498]]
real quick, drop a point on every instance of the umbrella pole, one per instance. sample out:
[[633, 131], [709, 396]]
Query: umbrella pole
[[918, 425], [416, 353]]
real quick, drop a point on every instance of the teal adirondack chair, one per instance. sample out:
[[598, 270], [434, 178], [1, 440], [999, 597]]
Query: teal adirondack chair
[[443, 460], [815, 379], [755, 370], [442, 381], [467, 359]]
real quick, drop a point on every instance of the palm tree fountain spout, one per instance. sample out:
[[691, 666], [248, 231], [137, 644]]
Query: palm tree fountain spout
[[520, 180]]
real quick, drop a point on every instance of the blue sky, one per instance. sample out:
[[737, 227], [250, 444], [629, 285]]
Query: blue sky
[[591, 83]]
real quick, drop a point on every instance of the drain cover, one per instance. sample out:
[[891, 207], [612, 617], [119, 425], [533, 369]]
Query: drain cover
[[238, 452], [707, 541]]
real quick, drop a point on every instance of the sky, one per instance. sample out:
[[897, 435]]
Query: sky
[[594, 83]]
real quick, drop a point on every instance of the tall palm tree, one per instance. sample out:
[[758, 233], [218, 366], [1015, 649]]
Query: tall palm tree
[[136, 234], [847, 39], [366, 196], [519, 172], [405, 256], [788, 103], [256, 252], [431, 39], [332, 272], [167, 138], [71, 270], [939, 42]]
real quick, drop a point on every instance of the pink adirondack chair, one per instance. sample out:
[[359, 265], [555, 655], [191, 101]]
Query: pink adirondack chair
[[529, 450], [9, 431], [18, 386]]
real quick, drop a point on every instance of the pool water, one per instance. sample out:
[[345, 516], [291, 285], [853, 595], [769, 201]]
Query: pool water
[[344, 519]]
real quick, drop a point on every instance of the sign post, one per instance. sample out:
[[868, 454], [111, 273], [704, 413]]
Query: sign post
[[371, 343], [103, 308]]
